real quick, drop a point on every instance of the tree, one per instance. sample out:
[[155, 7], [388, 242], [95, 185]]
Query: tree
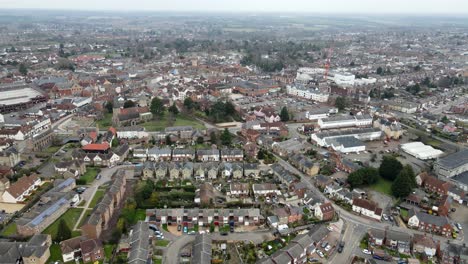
[[401, 187], [379, 71], [213, 138], [284, 115], [390, 168], [173, 109], [200, 140], [157, 107], [109, 106], [168, 140], [189, 104], [23, 69], [363, 176], [409, 173], [63, 231], [340, 103], [115, 142], [445, 120], [129, 103], [226, 137]]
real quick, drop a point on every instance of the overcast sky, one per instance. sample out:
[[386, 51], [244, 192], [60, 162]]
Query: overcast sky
[[308, 6]]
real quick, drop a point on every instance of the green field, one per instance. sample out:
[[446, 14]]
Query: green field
[[97, 198], [90, 175], [9, 230], [181, 120], [383, 186], [71, 217]]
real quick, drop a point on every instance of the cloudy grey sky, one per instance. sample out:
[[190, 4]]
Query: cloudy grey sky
[[309, 6]]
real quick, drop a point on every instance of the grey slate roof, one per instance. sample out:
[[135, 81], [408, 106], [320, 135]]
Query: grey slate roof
[[139, 244], [454, 160]]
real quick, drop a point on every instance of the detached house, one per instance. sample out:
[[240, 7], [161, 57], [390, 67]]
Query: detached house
[[325, 212], [367, 208]]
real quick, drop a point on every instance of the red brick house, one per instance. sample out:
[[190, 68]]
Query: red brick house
[[325, 212], [432, 184], [92, 250]]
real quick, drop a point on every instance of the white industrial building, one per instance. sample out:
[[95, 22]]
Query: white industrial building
[[364, 134], [307, 93], [345, 121], [421, 151], [348, 144]]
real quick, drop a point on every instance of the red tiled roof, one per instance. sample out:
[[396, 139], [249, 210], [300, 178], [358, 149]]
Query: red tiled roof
[[326, 207], [102, 146]]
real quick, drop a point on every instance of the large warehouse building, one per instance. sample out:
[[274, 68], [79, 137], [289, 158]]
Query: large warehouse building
[[421, 151], [19, 96]]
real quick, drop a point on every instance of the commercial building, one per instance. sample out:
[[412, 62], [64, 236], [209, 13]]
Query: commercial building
[[19, 96], [345, 122], [307, 93], [364, 134], [421, 151], [453, 164]]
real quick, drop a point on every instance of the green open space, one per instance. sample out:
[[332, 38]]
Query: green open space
[[9, 230], [90, 175], [162, 243], [105, 122], [382, 186], [97, 198], [55, 253], [85, 217], [404, 213], [52, 149], [108, 250], [70, 217], [180, 120]]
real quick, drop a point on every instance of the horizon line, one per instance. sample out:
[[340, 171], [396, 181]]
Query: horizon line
[[234, 12]]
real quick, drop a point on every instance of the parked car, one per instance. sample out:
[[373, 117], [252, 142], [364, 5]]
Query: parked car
[[179, 228], [320, 253], [224, 233], [459, 226], [341, 246], [324, 244], [185, 229], [366, 251], [98, 177], [385, 217], [327, 248]]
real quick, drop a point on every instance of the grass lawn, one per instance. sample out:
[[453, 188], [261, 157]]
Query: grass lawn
[[404, 213], [434, 143], [85, 216], [140, 214], [108, 250], [157, 261], [106, 122], [164, 226], [162, 243], [383, 186], [52, 149], [97, 197], [181, 120], [70, 217], [90, 175], [9, 230], [55, 253]]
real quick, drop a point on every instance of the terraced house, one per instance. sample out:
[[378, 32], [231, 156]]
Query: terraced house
[[105, 209]]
